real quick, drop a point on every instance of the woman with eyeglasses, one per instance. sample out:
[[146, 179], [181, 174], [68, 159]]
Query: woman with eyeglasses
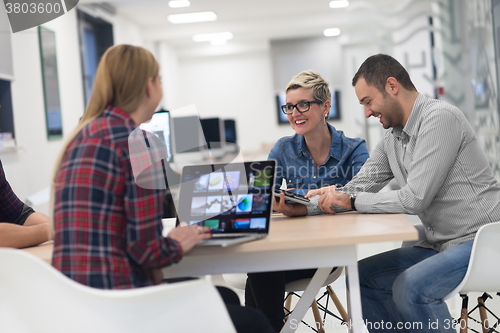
[[317, 155]]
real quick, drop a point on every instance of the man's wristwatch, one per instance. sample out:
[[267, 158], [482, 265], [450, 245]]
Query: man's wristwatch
[[353, 199]]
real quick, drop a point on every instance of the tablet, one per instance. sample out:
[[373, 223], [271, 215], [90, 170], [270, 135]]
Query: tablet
[[292, 197]]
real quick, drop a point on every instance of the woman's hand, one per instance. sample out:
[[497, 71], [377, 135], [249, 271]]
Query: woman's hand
[[288, 209], [189, 236]]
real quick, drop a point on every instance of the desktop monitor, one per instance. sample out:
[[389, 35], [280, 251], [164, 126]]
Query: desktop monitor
[[281, 100], [189, 143], [160, 126], [213, 130], [230, 130], [231, 137], [188, 137], [334, 109]]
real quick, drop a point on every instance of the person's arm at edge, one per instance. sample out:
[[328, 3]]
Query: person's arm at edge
[[28, 229], [36, 218], [17, 236]]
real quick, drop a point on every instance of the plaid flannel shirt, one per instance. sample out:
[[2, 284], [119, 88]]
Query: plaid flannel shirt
[[107, 228]]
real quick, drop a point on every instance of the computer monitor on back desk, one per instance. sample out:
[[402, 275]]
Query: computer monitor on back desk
[[231, 136], [213, 130], [188, 141]]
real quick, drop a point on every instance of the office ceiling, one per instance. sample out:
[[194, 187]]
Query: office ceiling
[[256, 21]]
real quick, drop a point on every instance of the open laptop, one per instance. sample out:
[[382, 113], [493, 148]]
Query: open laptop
[[234, 200]]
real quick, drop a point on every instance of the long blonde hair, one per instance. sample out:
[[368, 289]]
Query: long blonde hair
[[120, 81]]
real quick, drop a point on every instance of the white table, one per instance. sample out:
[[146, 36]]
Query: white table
[[322, 242]]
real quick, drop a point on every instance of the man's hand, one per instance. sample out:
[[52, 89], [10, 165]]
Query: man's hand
[[288, 209], [320, 191], [189, 236], [330, 198]]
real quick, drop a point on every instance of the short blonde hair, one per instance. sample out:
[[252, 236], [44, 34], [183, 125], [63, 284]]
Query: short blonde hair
[[313, 81]]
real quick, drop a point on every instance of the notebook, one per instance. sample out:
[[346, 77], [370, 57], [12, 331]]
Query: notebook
[[234, 200]]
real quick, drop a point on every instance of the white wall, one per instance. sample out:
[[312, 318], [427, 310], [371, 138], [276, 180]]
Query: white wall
[[169, 69], [234, 86], [125, 32], [322, 55], [29, 169], [354, 122], [415, 53]]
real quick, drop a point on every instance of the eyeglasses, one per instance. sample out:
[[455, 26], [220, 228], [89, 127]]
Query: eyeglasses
[[301, 107]]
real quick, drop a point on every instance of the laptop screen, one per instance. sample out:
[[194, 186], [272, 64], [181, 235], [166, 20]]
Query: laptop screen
[[234, 197]]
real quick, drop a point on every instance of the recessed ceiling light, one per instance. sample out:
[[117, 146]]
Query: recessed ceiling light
[[339, 4], [179, 3], [213, 36], [192, 17], [331, 32]]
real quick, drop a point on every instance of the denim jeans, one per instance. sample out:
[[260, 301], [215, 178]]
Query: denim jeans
[[402, 290]]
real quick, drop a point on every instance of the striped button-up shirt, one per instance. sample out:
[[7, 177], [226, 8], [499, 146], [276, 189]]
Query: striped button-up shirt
[[107, 228], [443, 174]]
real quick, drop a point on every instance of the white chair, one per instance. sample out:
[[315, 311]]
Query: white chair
[[300, 285], [35, 297], [239, 281], [483, 273]]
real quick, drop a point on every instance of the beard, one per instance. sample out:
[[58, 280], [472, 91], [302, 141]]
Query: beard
[[393, 112]]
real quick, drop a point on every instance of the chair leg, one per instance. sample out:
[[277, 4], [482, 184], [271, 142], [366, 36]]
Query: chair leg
[[317, 317], [338, 304], [464, 315], [483, 315]]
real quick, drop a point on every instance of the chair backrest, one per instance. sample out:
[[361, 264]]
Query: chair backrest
[[35, 297], [483, 273], [301, 285]]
